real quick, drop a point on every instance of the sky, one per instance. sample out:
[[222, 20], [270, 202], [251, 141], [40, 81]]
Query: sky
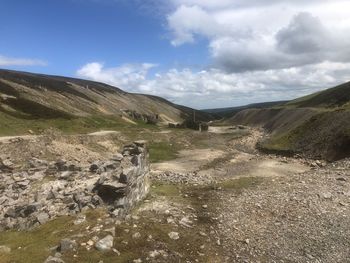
[[198, 53]]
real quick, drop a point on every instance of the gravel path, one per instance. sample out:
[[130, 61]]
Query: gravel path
[[295, 213]]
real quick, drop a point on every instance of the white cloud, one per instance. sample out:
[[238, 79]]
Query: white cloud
[[130, 75], [8, 61], [261, 35], [261, 51], [216, 88]]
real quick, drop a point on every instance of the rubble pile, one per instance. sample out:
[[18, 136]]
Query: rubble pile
[[46, 190]]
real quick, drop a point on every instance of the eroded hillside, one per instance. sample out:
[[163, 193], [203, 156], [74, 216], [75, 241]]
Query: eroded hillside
[[317, 125]]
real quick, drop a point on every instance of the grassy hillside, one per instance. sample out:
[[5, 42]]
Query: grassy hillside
[[231, 111], [16, 126], [331, 98], [317, 125], [37, 102]]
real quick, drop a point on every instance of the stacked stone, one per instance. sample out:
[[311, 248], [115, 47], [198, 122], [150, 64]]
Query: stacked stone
[[127, 184], [47, 190]]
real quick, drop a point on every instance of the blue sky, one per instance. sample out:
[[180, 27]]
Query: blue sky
[[197, 53], [68, 33]]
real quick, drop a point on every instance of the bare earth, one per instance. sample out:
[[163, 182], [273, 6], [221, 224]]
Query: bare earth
[[294, 213], [225, 201]]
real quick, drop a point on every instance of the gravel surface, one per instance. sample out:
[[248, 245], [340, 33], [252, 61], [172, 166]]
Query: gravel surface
[[298, 218]]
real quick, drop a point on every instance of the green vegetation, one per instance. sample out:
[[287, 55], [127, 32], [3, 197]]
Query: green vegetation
[[169, 190], [14, 126], [330, 98], [279, 143], [33, 246], [239, 184], [163, 151], [309, 137]]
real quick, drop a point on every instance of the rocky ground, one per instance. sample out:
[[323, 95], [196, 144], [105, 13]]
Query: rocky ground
[[219, 200]]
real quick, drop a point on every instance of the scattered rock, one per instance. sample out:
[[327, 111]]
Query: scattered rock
[[342, 179], [157, 253], [80, 219], [174, 235], [52, 259], [186, 222], [105, 244], [66, 175], [67, 245], [71, 189], [90, 243], [42, 218], [326, 195], [111, 231], [137, 235], [4, 166], [116, 251]]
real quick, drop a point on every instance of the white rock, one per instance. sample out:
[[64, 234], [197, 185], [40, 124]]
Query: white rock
[[174, 235], [137, 235], [80, 219], [105, 244], [90, 243]]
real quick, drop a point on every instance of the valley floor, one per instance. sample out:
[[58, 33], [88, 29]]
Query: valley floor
[[214, 198]]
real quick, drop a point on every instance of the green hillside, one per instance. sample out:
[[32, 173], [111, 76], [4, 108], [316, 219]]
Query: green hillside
[[338, 96]]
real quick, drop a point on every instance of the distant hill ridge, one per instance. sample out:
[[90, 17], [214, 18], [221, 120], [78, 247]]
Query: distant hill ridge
[[317, 125], [25, 96], [230, 111]]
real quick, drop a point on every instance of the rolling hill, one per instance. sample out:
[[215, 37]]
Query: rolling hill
[[317, 125], [230, 111], [36, 101], [336, 97]]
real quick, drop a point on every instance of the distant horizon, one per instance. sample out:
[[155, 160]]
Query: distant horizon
[[201, 54], [200, 109]]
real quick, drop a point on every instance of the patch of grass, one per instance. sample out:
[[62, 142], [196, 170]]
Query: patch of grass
[[169, 190], [239, 184], [34, 246], [10, 125], [163, 151], [277, 143]]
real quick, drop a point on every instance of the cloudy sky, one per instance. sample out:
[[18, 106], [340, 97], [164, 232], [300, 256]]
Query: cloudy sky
[[200, 53]]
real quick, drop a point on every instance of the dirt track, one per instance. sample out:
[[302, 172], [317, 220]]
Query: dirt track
[[273, 209]]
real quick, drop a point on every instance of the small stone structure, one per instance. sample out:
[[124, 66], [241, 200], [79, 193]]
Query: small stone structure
[[190, 124], [203, 126], [123, 186], [48, 190], [147, 118]]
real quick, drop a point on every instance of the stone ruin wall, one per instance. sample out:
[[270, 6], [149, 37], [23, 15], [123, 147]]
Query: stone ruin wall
[[47, 190]]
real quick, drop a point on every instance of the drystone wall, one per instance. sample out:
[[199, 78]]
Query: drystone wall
[[46, 190]]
